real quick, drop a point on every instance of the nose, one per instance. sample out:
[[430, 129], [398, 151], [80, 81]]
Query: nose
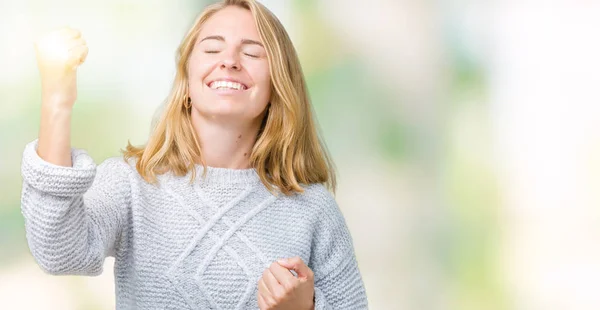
[[230, 61]]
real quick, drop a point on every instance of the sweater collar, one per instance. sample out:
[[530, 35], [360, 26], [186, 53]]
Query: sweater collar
[[226, 176]]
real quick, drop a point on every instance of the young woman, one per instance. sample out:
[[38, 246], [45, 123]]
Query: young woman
[[227, 205]]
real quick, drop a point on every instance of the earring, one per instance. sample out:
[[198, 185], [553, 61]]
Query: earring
[[188, 103]]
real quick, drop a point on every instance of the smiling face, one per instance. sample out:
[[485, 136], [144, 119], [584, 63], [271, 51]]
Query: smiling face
[[228, 68]]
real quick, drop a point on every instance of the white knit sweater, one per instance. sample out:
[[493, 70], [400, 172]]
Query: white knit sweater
[[182, 245]]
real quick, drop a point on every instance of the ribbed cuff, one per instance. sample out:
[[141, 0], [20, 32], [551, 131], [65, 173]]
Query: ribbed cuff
[[58, 180]]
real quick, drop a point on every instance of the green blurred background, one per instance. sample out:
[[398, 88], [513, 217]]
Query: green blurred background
[[466, 134]]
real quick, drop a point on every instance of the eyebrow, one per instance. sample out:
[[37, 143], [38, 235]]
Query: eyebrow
[[221, 38]]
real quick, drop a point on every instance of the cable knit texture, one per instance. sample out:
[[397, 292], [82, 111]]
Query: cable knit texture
[[183, 245]]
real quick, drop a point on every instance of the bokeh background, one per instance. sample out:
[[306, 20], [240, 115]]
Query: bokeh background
[[466, 134]]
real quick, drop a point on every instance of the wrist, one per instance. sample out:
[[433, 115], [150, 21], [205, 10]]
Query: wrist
[[56, 111], [57, 105]]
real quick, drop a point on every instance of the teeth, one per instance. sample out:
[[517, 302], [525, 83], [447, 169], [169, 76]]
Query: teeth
[[226, 84]]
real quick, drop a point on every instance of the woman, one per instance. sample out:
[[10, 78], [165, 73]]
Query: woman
[[225, 207]]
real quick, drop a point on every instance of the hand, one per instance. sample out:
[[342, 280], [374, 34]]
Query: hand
[[279, 289], [59, 54]]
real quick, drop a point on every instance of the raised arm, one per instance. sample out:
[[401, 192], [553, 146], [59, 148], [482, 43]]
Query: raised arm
[[75, 212]]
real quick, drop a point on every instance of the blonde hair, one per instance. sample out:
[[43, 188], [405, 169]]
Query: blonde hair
[[288, 150]]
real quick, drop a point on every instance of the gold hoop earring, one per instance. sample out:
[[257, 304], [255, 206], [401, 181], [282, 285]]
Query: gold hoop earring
[[188, 103]]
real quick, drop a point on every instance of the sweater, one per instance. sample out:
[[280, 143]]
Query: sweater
[[179, 244]]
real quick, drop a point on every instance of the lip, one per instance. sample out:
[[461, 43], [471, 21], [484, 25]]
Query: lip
[[228, 79]]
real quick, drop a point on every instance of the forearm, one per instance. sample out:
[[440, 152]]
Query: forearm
[[59, 53], [54, 144]]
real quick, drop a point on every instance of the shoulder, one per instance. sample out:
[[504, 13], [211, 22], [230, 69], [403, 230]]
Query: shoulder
[[317, 194], [321, 203], [115, 179], [118, 164], [116, 168]]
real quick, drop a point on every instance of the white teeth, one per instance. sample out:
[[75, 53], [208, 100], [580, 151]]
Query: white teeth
[[227, 84]]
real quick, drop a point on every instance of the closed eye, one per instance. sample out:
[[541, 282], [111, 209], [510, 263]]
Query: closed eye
[[251, 55], [211, 52]]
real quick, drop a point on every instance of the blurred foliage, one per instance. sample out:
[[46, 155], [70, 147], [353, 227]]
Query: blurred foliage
[[470, 187], [343, 93]]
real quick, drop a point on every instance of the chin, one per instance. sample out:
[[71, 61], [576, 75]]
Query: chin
[[223, 111]]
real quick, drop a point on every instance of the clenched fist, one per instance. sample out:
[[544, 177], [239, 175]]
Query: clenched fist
[[59, 54], [279, 289]]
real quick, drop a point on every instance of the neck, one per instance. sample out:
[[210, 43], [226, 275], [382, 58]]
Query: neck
[[225, 143]]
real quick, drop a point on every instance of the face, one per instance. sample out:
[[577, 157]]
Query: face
[[228, 68]]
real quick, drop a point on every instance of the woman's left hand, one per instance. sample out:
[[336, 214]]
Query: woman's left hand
[[279, 289]]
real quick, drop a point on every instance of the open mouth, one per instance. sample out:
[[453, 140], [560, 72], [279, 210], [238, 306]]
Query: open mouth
[[227, 85]]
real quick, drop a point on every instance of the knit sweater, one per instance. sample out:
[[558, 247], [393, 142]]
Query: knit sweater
[[179, 244]]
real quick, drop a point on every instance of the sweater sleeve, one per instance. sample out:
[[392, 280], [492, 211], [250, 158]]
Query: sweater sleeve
[[338, 282], [74, 216]]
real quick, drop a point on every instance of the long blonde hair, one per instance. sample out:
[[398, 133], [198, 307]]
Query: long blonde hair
[[288, 150]]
